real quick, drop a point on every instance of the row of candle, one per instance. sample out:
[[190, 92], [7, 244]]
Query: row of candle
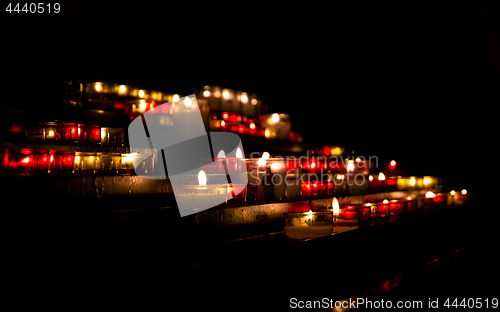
[[303, 222]]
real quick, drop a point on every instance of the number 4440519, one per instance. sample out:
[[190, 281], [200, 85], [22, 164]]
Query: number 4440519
[[34, 8], [472, 303]]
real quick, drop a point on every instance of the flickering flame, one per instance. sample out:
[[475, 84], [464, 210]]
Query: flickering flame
[[392, 165], [51, 133], [225, 95], [206, 93], [252, 126], [381, 176], [244, 98], [335, 206], [452, 193], [358, 159], [412, 181], [187, 101], [98, 87], [142, 105], [265, 155], [275, 118], [254, 102], [309, 215], [370, 178], [267, 133], [175, 98], [430, 195], [464, 191], [141, 93], [385, 201], [221, 154], [427, 180], [122, 89], [409, 197], [239, 154], [350, 166], [202, 178]]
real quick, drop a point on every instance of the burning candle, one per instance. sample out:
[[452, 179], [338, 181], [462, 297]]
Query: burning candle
[[380, 211], [112, 136], [344, 219], [191, 198], [293, 182], [398, 207], [61, 162], [108, 163], [311, 224], [85, 162], [89, 133]]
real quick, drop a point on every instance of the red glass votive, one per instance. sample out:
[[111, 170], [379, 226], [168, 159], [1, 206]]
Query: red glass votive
[[314, 165], [236, 193], [313, 188], [390, 184], [440, 201], [89, 133], [44, 131], [375, 185], [380, 210], [398, 207], [67, 132], [61, 162]]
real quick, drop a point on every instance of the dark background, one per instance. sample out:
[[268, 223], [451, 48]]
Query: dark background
[[412, 82]]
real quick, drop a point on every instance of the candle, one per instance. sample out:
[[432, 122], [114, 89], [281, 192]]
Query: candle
[[26, 161], [193, 198], [67, 132], [304, 225], [108, 163], [272, 171], [112, 136], [398, 207], [293, 182], [412, 205], [344, 219], [89, 133], [380, 211], [85, 162], [61, 162], [42, 131]]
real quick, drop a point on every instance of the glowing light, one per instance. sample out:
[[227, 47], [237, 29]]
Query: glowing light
[[77, 159], [464, 191], [385, 201], [222, 123], [239, 154], [217, 94], [370, 178], [350, 166], [187, 101], [252, 126], [412, 181], [335, 206], [151, 106], [392, 164], [381, 176], [358, 159], [133, 110], [276, 166], [427, 180], [339, 177], [103, 134], [202, 178], [313, 165], [122, 89], [206, 93], [51, 158], [51, 133], [142, 105], [265, 155], [254, 102], [98, 87], [175, 98], [267, 134], [452, 193], [336, 151], [430, 195], [221, 154], [309, 215], [225, 116], [408, 198], [275, 118], [225, 95], [244, 98], [25, 160], [141, 93], [91, 158]]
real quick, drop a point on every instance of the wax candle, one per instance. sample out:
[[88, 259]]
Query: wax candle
[[61, 162], [67, 132], [380, 211], [26, 161], [398, 207], [344, 219], [273, 171], [85, 162], [293, 182], [89, 133], [304, 225], [43, 131], [112, 136], [108, 163]]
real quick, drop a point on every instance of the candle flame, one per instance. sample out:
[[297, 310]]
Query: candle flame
[[464, 191], [412, 181], [385, 201], [430, 195], [202, 178], [309, 215], [452, 193], [265, 155], [409, 197], [175, 98], [350, 166], [221, 154], [275, 118], [370, 178], [381, 176], [335, 206], [206, 93], [187, 101], [239, 154]]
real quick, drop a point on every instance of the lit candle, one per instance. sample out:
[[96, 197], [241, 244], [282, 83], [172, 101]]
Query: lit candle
[[398, 207], [380, 211], [311, 224], [293, 173]]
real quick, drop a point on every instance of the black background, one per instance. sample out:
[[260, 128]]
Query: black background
[[411, 82]]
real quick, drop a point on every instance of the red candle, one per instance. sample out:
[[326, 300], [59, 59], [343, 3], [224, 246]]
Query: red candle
[[398, 207], [67, 132], [61, 162], [89, 133], [380, 210], [27, 161]]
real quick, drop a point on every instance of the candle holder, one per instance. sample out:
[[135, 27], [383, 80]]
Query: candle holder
[[127, 161], [89, 133], [269, 175], [311, 224], [380, 212], [112, 136], [42, 131], [293, 182], [61, 162], [67, 132], [85, 163], [398, 208], [108, 163], [457, 198], [435, 202], [236, 193], [311, 187]]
